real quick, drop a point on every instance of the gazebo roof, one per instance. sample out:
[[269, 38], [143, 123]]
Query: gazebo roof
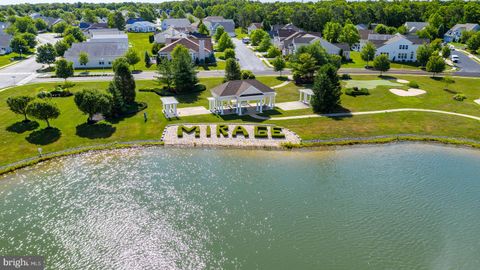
[[242, 88], [307, 91], [169, 100]]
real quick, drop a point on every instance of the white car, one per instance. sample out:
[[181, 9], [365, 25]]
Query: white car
[[454, 58]]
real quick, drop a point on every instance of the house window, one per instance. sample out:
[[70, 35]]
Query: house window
[[411, 55], [101, 63]]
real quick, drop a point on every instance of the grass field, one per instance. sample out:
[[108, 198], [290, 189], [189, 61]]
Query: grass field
[[20, 141], [140, 42], [6, 59], [357, 62]]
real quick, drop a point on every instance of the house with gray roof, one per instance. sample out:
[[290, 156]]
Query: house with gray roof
[[455, 32], [170, 33], [5, 40], [51, 21], [413, 27], [399, 48], [254, 26], [141, 27], [213, 22], [199, 48], [175, 23]]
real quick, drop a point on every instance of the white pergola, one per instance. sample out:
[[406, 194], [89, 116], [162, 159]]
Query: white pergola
[[305, 95], [235, 95], [169, 106]]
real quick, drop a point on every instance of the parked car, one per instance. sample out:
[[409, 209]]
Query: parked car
[[246, 40], [454, 58]]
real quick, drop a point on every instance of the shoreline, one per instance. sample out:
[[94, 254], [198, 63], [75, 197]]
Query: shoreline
[[309, 144]]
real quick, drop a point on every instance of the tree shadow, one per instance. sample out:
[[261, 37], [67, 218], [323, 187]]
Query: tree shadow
[[188, 98], [96, 131], [450, 91], [23, 126], [388, 77], [131, 110], [282, 78], [339, 113], [44, 136]]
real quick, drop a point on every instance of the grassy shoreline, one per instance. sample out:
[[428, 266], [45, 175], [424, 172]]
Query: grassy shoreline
[[376, 140]]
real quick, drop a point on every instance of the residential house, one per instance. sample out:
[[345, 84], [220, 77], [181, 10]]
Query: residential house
[[363, 39], [213, 22], [361, 26], [133, 20], [5, 40], [299, 39], [398, 47], [280, 32], [176, 23], [4, 26], [254, 26], [141, 27], [51, 21], [413, 27], [455, 32], [84, 26], [170, 33], [200, 49], [102, 47]]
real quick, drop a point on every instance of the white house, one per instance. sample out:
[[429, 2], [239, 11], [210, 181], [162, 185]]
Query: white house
[[141, 27], [291, 44], [5, 43], [400, 48], [175, 23], [103, 47], [199, 48], [455, 32]]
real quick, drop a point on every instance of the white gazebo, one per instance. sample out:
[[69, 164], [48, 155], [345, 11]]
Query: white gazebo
[[169, 106], [235, 96], [305, 95]]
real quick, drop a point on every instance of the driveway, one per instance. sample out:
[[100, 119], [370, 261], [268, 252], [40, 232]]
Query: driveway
[[466, 64], [24, 71], [247, 58]]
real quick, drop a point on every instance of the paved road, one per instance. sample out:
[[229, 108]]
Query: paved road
[[247, 58], [466, 64], [24, 71]]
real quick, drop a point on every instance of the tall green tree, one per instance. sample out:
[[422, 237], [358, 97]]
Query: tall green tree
[[279, 64], [60, 28], [19, 45], [368, 52], [232, 70], [257, 35], [83, 58], [166, 73], [19, 105], [349, 34], [304, 68], [185, 75], [63, 69], [225, 42], [326, 90], [61, 47], [202, 29], [381, 63], [148, 60], [123, 80], [229, 53], [46, 54], [116, 20], [435, 64], [265, 44], [199, 12], [423, 54], [218, 33], [43, 110], [332, 31], [132, 57], [92, 101], [41, 25]]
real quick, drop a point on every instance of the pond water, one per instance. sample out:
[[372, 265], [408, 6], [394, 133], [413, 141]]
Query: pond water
[[399, 206]]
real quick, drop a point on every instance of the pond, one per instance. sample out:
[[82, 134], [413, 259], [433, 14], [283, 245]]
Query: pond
[[399, 206]]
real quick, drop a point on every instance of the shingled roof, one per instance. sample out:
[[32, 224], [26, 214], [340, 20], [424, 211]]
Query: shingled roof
[[97, 50], [239, 88]]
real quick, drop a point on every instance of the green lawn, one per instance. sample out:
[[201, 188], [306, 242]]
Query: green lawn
[[357, 62], [19, 142], [140, 42], [6, 59]]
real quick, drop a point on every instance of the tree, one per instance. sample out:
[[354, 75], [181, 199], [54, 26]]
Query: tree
[[202, 29], [60, 28], [199, 12], [83, 58], [19, 45], [61, 47], [41, 25], [218, 33], [46, 54], [423, 54], [473, 43], [435, 64], [116, 20], [19, 105], [63, 69], [225, 42], [232, 70], [368, 52], [326, 90], [132, 57], [166, 73], [89, 16], [123, 80], [25, 25], [75, 32], [264, 44], [92, 102], [256, 36], [332, 31], [381, 63], [229, 53], [117, 99], [446, 51], [273, 52], [148, 60], [304, 68], [381, 29], [279, 64], [43, 110], [316, 51], [147, 13], [185, 75], [349, 34]]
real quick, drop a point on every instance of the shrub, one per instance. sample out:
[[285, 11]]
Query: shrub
[[67, 85], [44, 94], [413, 84], [277, 133], [239, 130], [229, 53], [346, 76], [188, 130], [261, 132], [60, 92], [459, 97], [247, 75], [357, 92]]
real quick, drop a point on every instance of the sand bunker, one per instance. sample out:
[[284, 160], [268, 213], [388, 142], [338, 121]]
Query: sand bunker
[[402, 81], [477, 101], [411, 92]]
